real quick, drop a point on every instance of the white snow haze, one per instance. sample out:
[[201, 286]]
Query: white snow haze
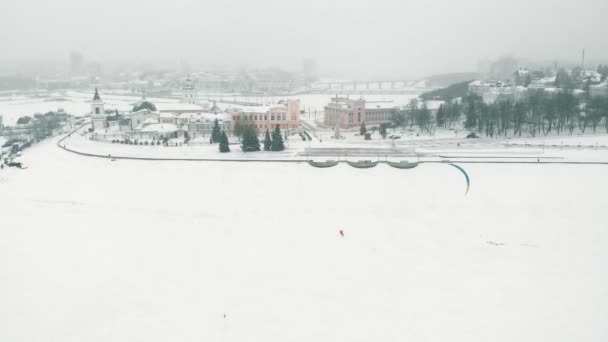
[[410, 38]]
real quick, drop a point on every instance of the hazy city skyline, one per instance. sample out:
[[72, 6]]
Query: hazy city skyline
[[400, 38]]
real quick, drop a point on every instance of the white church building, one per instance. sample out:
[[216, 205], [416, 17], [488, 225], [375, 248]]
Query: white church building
[[148, 123]]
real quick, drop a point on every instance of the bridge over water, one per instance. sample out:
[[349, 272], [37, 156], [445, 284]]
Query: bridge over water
[[396, 86]]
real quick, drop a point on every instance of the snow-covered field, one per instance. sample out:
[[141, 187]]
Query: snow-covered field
[[356, 148], [94, 250]]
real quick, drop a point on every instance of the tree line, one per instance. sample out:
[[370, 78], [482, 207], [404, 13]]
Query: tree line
[[249, 137], [539, 113], [36, 128]]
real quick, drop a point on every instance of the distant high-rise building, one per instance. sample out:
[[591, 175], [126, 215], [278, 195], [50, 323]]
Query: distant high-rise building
[[76, 63]]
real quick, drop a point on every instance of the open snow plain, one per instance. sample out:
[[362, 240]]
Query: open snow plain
[[95, 250]]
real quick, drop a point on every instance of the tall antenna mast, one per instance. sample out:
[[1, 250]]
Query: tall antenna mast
[[583, 60]]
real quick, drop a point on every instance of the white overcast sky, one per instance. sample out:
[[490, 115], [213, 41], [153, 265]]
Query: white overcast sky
[[380, 36]]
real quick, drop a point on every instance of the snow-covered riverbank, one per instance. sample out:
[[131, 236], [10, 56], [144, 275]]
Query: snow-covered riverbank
[[146, 250]]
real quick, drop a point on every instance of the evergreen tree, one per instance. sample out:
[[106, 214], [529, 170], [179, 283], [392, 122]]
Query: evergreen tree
[[363, 129], [267, 141], [250, 141], [216, 133], [224, 147], [383, 132], [277, 140]]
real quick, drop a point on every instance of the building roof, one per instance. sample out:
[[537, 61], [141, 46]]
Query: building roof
[[160, 127], [250, 109], [141, 111], [96, 96], [380, 105], [205, 117], [168, 115], [477, 83]]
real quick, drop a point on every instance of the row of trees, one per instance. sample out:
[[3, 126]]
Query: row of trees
[[363, 130], [249, 138], [414, 114], [539, 113], [39, 127]]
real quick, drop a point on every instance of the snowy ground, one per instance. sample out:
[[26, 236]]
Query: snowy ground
[[443, 148], [94, 250]]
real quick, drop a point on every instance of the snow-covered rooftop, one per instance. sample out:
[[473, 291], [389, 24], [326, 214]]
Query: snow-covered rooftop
[[208, 117], [160, 127], [177, 106], [167, 115], [250, 109], [379, 105]]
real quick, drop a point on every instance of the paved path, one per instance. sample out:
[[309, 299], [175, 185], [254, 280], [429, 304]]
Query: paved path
[[464, 157]]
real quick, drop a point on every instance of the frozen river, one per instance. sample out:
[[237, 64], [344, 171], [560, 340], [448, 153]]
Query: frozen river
[[94, 250]]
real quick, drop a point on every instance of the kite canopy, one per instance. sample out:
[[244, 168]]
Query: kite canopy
[[465, 175]]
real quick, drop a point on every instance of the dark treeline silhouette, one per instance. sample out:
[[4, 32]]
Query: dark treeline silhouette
[[540, 113]]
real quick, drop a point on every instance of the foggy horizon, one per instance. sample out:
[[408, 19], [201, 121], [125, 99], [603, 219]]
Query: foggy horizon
[[404, 39]]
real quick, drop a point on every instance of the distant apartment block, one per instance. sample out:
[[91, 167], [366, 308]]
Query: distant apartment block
[[492, 92], [599, 90]]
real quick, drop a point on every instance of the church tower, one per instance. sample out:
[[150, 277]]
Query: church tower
[[189, 92], [97, 104], [98, 114]]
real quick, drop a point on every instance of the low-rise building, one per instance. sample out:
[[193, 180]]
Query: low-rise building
[[599, 90], [146, 124], [156, 131], [202, 124], [141, 118], [349, 113], [492, 92], [285, 115]]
